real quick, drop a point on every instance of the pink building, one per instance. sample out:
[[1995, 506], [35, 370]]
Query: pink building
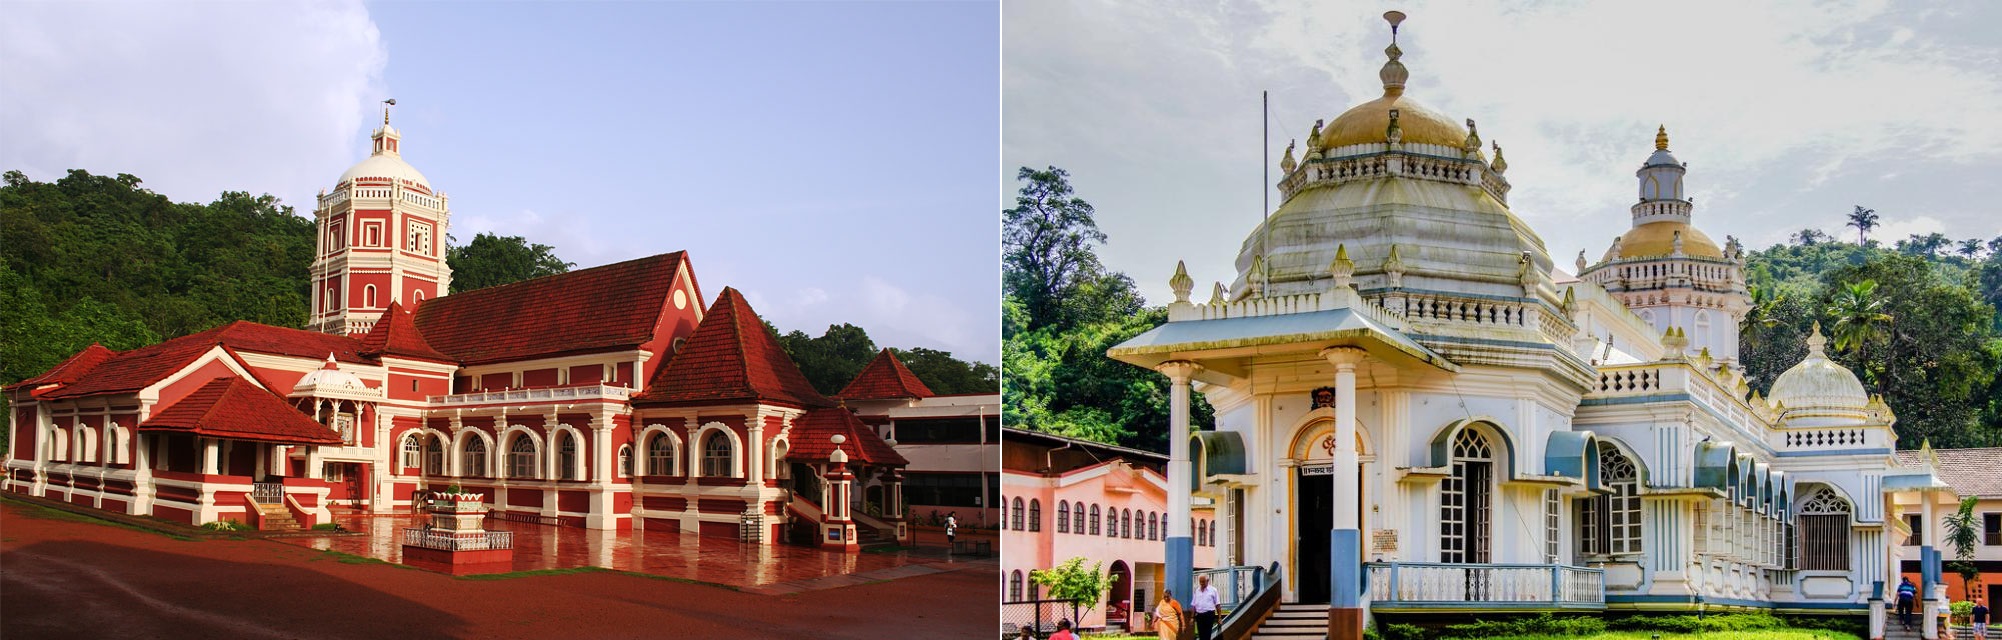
[[1065, 498]]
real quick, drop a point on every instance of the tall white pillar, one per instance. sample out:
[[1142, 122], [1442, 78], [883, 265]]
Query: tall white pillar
[[211, 454], [1345, 614], [1180, 558]]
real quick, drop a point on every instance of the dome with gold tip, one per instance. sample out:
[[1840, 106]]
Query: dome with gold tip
[[1658, 239], [1818, 383]]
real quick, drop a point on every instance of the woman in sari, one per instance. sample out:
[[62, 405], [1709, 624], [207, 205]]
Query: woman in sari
[[1168, 617]]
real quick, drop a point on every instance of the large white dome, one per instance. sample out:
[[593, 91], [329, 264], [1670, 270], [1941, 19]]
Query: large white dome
[[385, 166], [1819, 383]]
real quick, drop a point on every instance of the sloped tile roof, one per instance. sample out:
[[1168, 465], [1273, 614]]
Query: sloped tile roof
[[731, 358], [810, 439], [615, 306], [1971, 472], [70, 370], [139, 368], [232, 407], [396, 334], [886, 377]]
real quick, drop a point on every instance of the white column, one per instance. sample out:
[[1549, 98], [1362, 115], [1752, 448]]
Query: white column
[[1929, 529], [1180, 558], [211, 463]]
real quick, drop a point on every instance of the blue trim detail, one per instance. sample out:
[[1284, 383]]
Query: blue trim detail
[[1180, 566], [1843, 452], [1345, 569]]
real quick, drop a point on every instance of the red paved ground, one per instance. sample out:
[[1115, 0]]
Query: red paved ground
[[67, 579]]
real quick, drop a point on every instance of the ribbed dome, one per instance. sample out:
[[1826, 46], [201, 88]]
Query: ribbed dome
[[384, 166], [1658, 239], [329, 375], [1819, 383], [1368, 121]]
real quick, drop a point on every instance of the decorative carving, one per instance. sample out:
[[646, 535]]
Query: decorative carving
[[1324, 397], [1286, 163], [1393, 269], [1473, 144], [1581, 261], [1661, 138], [1181, 282], [1218, 297], [1500, 165], [1342, 268], [1393, 133]]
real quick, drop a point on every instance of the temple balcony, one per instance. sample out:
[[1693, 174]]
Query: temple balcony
[[560, 394], [1414, 587]]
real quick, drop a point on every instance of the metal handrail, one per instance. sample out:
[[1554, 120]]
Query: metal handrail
[[1262, 598]]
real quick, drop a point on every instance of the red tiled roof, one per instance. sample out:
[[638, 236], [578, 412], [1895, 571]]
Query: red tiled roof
[[615, 306], [731, 358], [232, 407], [396, 334], [142, 367], [1971, 472], [886, 377], [70, 370], [810, 436]]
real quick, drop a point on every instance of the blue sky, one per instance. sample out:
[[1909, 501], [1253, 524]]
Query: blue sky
[[834, 161]]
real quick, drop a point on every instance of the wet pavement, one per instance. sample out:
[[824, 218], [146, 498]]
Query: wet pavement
[[767, 569]]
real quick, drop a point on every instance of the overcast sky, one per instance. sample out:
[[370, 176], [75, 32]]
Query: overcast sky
[[836, 162], [1788, 113]]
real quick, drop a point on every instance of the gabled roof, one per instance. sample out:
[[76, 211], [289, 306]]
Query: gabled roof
[[1971, 472], [612, 307], [731, 358], [886, 377], [235, 408], [396, 334], [811, 435], [70, 370], [130, 371]]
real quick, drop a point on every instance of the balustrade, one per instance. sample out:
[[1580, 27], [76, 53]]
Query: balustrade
[[443, 540], [1533, 585], [1234, 585], [575, 392]]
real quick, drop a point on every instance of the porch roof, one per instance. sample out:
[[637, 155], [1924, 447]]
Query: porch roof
[[1236, 338], [809, 439], [235, 408]]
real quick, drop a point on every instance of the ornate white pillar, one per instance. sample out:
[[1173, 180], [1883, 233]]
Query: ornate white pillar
[[1345, 613], [1180, 559]]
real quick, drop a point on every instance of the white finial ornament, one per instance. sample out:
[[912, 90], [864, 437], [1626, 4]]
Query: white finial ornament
[[1181, 282], [1815, 342], [1393, 74]]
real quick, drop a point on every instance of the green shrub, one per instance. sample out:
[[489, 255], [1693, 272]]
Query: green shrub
[[1700, 624], [226, 525], [327, 526], [1395, 632], [1542, 624]]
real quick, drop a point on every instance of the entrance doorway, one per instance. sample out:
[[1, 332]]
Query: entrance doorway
[[1119, 608], [1313, 516]]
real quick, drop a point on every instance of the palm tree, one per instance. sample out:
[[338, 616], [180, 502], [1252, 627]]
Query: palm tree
[[1762, 316], [1864, 220], [1859, 319], [1969, 247], [1962, 533]]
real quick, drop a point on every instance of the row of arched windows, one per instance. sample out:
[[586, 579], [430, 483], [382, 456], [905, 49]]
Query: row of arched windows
[[523, 457], [1110, 521]]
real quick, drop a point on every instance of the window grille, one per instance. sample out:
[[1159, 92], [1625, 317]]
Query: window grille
[[1824, 527], [1126, 523], [474, 461], [1077, 522], [412, 452], [1017, 522], [1063, 516], [1464, 499], [1094, 520], [660, 455], [1551, 531], [566, 458], [1015, 585], [521, 458], [1991, 529], [1035, 515], [717, 455]]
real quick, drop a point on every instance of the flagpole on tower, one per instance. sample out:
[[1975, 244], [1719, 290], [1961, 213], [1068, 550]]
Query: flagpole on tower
[[386, 104]]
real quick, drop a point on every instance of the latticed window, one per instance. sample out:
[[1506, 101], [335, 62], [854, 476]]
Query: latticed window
[[625, 460], [1035, 515], [413, 453], [1077, 522], [474, 460], [1612, 522], [434, 457], [1153, 526], [1018, 515], [1015, 585], [1125, 523], [521, 458], [566, 458], [717, 454], [1094, 520], [1463, 500], [660, 455], [1063, 516], [1212, 527], [1824, 531], [1551, 530]]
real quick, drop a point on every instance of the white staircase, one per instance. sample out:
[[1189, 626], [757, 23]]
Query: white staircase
[[1294, 621]]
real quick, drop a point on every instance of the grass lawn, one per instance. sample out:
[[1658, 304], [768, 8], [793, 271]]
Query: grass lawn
[[1766, 634]]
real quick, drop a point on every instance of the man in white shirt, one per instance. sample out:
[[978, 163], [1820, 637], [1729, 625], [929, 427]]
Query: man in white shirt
[[1204, 604]]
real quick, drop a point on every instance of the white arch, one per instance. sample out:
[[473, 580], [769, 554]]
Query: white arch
[[459, 451], [1309, 428], [645, 449], [736, 448], [506, 450], [583, 452], [773, 454]]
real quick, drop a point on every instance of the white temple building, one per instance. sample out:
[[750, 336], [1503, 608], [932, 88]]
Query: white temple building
[[1418, 413]]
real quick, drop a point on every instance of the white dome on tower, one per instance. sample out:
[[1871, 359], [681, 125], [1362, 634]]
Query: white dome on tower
[[1819, 383], [384, 166]]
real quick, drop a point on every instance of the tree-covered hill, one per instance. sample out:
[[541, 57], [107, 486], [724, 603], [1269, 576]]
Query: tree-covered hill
[[90, 258]]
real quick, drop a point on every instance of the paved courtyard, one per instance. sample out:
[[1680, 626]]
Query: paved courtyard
[[65, 576]]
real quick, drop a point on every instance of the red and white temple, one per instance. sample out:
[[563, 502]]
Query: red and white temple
[[607, 398]]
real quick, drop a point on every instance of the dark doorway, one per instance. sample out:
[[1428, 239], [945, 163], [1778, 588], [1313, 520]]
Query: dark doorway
[[1313, 516]]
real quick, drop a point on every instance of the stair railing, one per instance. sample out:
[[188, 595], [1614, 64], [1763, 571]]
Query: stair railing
[[1252, 611]]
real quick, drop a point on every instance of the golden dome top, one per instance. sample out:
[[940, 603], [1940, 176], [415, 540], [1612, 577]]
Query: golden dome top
[[1367, 122], [1658, 239]]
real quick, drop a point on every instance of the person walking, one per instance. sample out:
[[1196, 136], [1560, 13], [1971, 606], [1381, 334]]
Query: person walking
[[951, 531], [1168, 617], [1063, 631], [1906, 591], [1980, 618], [1204, 603]]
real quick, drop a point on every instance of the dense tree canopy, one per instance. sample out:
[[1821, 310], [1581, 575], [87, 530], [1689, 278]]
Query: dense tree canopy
[[491, 261], [832, 360]]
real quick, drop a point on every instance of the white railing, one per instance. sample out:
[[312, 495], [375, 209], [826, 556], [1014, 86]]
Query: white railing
[[1259, 306], [458, 541], [1828, 438], [1490, 312], [267, 493], [1630, 380], [1528, 584], [569, 393], [1234, 585], [1378, 160]]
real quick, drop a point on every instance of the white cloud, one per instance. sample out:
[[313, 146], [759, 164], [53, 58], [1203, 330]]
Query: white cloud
[[194, 98]]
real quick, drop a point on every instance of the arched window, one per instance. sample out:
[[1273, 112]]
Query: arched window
[[1063, 516], [1464, 499], [1612, 520], [566, 457], [1015, 585], [717, 455], [1019, 515], [521, 458], [434, 457], [1126, 523], [1035, 515], [416, 297], [1153, 527], [660, 455], [413, 453], [474, 462], [625, 460], [368, 297], [1077, 522], [1202, 534], [1094, 520], [1213, 539], [1824, 531]]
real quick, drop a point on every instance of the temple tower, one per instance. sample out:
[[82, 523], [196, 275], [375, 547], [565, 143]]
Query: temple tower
[[381, 240]]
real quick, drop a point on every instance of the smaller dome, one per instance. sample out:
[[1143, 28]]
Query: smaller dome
[[1819, 383], [329, 375], [1366, 123], [384, 166], [1658, 239], [1662, 157]]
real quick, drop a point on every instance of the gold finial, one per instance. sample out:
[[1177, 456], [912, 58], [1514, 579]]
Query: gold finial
[[1499, 165], [1473, 142], [1661, 138], [1314, 138], [1816, 343], [386, 104], [1393, 74], [1342, 268]]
